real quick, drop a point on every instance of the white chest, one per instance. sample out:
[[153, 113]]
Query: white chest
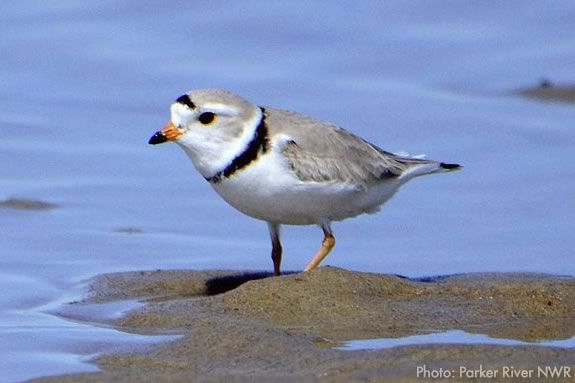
[[269, 191]]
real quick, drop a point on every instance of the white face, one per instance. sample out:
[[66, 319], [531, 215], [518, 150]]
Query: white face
[[213, 132]]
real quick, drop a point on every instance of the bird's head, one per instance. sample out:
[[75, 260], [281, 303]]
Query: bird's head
[[212, 126]]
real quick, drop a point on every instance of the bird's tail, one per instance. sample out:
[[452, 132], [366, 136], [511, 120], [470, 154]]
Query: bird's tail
[[421, 168], [449, 167]]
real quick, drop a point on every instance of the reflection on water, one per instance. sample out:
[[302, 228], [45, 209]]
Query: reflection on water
[[447, 337], [84, 84]]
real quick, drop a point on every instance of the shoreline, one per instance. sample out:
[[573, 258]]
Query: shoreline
[[249, 326]]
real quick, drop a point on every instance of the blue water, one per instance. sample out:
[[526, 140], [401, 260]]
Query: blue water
[[84, 85], [448, 337]]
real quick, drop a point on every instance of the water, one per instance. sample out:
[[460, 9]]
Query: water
[[84, 85], [448, 337]]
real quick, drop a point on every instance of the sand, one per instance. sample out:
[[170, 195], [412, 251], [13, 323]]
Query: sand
[[242, 326], [550, 92], [26, 204]]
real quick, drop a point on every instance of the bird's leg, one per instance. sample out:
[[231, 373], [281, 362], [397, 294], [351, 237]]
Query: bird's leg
[[276, 246], [326, 245]]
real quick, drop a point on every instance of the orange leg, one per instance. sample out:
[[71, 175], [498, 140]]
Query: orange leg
[[326, 245]]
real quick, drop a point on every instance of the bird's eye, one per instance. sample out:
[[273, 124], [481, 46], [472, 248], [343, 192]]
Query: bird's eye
[[207, 118]]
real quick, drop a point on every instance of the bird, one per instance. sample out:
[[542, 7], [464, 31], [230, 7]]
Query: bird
[[285, 168]]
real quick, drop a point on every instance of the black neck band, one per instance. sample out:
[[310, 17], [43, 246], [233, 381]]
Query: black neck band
[[259, 142]]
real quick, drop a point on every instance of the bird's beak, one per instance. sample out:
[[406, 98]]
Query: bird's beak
[[169, 133]]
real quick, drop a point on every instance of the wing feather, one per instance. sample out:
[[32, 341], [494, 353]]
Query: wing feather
[[322, 152]]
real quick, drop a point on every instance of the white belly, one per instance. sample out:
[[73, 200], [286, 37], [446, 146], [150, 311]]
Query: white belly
[[269, 191]]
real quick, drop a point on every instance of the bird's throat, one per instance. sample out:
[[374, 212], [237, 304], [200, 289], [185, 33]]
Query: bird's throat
[[258, 144]]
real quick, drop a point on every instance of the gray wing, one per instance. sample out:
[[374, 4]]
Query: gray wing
[[322, 152]]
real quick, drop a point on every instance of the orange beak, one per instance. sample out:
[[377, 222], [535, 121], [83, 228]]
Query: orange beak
[[169, 133]]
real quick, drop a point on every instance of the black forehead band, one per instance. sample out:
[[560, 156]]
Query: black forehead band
[[185, 100]]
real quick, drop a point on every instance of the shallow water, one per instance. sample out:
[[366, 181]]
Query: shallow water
[[448, 337], [84, 85]]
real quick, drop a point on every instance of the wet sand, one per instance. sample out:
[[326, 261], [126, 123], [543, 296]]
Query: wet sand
[[241, 326], [26, 204], [547, 91]]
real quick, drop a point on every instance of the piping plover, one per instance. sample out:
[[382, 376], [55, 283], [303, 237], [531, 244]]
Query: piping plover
[[285, 168]]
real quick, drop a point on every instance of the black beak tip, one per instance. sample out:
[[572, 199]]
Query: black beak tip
[[157, 138]]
